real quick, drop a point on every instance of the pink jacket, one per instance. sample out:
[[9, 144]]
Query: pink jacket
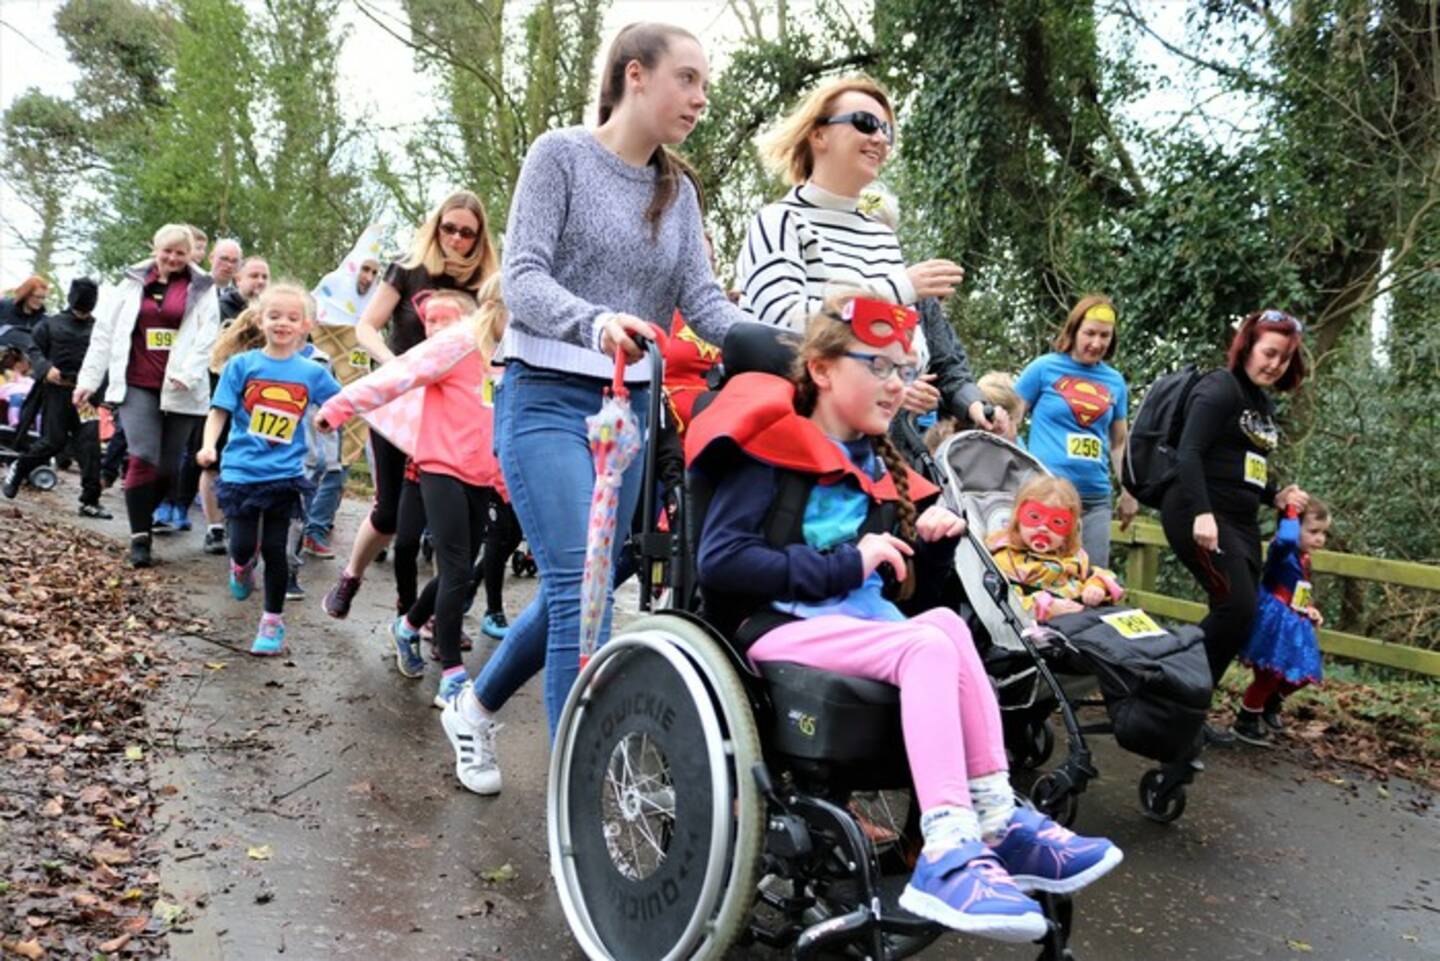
[[446, 427]]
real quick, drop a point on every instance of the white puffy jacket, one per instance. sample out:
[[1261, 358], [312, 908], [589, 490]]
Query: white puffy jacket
[[189, 363]]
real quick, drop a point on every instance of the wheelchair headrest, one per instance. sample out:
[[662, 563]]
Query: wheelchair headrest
[[759, 348]]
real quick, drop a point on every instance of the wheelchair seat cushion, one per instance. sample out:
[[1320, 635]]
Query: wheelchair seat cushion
[[825, 716]]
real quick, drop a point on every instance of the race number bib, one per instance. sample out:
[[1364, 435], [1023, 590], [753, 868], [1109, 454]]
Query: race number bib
[[1083, 447], [1132, 624], [159, 338], [487, 392], [275, 425], [1300, 600], [360, 358], [1257, 469]]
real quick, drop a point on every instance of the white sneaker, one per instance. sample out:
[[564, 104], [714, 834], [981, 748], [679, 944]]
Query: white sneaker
[[474, 743]]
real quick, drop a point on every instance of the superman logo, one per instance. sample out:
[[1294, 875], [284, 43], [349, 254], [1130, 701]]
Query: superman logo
[[277, 395], [1088, 400]]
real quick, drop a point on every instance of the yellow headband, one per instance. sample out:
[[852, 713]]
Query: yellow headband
[[1104, 313]]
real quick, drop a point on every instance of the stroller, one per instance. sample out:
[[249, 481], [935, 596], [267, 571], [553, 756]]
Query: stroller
[[1153, 683]]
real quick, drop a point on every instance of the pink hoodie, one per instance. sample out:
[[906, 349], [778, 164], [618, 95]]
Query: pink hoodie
[[446, 428]]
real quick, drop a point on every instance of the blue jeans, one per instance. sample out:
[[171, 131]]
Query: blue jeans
[[320, 511], [550, 472]]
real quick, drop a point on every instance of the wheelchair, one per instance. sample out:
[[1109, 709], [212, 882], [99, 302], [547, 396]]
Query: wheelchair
[[695, 805]]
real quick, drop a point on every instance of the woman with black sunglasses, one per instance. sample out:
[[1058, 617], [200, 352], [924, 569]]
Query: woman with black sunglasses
[[451, 250], [821, 236], [1224, 477]]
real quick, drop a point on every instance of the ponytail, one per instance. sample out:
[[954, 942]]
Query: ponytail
[[899, 471]]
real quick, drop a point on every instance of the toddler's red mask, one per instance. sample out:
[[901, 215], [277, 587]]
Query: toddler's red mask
[[878, 322], [1057, 520]]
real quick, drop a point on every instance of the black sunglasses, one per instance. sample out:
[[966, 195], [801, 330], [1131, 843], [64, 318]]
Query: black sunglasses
[[865, 122], [451, 230]]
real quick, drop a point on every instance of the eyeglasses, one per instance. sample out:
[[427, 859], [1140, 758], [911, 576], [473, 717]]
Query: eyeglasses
[[453, 230], [865, 122], [1279, 318], [882, 367]]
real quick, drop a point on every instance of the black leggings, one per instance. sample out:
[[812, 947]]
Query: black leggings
[[502, 536], [405, 550], [60, 424], [457, 527], [268, 531], [1230, 576], [389, 480]]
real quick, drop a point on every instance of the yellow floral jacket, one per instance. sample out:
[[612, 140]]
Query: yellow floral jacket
[[1043, 578]]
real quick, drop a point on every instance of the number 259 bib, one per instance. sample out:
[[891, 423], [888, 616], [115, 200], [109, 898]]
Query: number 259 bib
[[275, 425], [1083, 447]]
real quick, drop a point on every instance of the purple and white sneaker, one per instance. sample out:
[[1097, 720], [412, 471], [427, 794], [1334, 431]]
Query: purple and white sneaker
[[967, 889], [1044, 856]]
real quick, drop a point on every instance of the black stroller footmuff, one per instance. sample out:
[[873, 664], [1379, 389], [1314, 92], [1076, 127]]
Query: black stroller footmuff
[[1155, 683]]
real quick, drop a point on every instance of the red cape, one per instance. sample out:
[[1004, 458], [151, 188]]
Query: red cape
[[756, 412]]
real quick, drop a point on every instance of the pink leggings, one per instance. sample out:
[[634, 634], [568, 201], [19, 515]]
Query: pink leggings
[[947, 706]]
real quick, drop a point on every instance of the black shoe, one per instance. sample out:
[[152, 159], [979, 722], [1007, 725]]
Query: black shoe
[[1219, 737], [1249, 728], [293, 590], [1271, 714], [12, 481], [140, 552], [215, 540], [96, 511]]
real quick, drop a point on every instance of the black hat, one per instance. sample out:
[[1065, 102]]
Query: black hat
[[84, 292]]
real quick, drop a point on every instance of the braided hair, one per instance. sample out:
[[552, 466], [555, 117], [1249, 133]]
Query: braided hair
[[827, 337]]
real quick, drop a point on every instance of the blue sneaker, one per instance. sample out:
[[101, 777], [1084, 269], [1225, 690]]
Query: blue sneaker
[[269, 638], [966, 889], [160, 520], [495, 625], [242, 580], [450, 687], [1044, 856], [407, 648], [180, 517]]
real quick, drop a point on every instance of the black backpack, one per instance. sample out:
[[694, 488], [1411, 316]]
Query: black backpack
[[1149, 463]]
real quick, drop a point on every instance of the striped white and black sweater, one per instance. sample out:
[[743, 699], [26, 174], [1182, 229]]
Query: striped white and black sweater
[[807, 241]]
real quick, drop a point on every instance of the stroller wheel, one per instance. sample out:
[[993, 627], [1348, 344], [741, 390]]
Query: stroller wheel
[[1037, 743], [1054, 797], [44, 478], [1161, 800]]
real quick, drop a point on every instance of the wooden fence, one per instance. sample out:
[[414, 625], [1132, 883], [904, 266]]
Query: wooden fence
[[1144, 540]]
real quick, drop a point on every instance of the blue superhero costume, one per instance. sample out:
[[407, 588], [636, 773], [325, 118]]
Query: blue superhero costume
[[1282, 639]]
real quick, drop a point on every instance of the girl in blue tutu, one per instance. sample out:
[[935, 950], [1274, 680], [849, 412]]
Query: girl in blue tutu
[[1283, 649]]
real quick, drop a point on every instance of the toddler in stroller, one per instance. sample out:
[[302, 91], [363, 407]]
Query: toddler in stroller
[[1047, 655]]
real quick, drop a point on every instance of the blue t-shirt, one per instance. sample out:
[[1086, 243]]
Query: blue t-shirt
[[267, 399], [1072, 406]]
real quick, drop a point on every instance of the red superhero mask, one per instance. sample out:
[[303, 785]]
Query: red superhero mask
[[878, 322], [1057, 520]]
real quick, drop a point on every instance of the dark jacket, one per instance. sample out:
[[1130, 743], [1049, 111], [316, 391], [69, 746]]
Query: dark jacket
[[12, 314], [948, 361], [60, 341], [232, 305]]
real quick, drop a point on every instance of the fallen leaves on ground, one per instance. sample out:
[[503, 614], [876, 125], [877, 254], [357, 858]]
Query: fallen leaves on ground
[[78, 662]]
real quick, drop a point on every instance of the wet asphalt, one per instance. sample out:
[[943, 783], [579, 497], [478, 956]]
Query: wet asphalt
[[311, 812]]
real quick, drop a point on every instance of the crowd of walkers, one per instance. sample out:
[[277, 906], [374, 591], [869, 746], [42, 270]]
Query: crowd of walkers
[[484, 368]]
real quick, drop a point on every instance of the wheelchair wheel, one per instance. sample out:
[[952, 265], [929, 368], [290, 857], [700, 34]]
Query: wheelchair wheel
[[43, 478], [654, 819], [1034, 746]]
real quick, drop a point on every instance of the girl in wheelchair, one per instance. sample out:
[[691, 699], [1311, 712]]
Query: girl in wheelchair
[[817, 595]]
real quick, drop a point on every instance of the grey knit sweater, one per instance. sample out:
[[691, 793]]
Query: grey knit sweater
[[578, 248]]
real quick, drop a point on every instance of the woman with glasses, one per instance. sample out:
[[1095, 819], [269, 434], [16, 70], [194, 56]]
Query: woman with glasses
[[822, 237], [1224, 477], [451, 250], [1078, 407]]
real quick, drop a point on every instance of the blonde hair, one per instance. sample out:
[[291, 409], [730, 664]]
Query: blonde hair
[[169, 234], [426, 301], [827, 339], [1052, 492], [490, 318], [243, 334], [427, 251], [1066, 338], [998, 388], [785, 148]]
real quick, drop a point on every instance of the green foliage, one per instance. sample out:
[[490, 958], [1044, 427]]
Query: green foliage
[[45, 155]]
